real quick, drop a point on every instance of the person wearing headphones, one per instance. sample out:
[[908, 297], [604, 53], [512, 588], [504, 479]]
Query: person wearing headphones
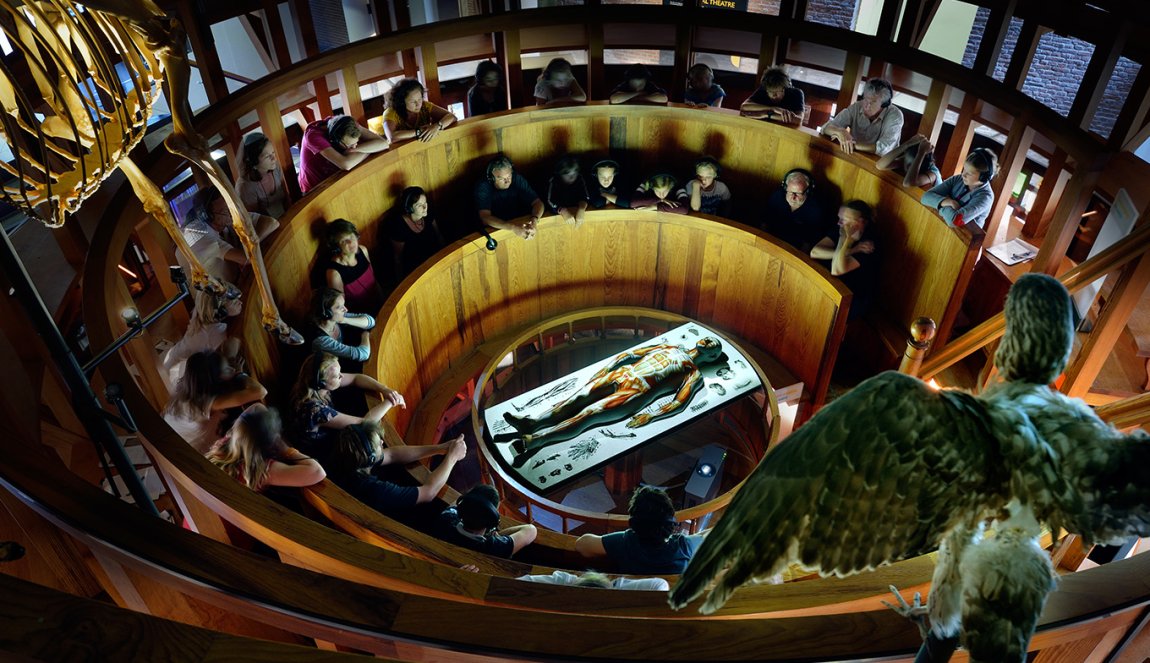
[[505, 196], [795, 214], [966, 198], [262, 187], [651, 545], [871, 124], [473, 522], [413, 232], [317, 422], [849, 254], [706, 193], [359, 452], [333, 144], [608, 190], [331, 322]]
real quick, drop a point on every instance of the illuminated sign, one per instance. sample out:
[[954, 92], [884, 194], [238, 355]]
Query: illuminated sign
[[559, 431]]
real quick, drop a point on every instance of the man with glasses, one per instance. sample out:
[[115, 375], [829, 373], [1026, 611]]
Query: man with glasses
[[505, 197], [794, 213]]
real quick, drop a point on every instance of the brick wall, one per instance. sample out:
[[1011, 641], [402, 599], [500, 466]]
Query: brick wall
[[1056, 72], [838, 13]]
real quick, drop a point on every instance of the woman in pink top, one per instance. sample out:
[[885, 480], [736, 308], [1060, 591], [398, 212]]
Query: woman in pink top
[[333, 144]]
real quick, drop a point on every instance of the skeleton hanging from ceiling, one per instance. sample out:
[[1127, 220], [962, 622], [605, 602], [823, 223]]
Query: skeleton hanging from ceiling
[[894, 468], [78, 120]]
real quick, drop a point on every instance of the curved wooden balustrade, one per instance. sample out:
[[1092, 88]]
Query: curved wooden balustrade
[[373, 619], [419, 597], [689, 265], [599, 320]]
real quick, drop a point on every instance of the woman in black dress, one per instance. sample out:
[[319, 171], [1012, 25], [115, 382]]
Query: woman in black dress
[[413, 232]]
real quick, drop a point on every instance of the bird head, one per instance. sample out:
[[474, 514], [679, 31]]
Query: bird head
[[1039, 331]]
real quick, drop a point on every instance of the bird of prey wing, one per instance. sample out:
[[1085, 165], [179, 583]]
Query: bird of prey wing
[[1105, 494], [879, 475]]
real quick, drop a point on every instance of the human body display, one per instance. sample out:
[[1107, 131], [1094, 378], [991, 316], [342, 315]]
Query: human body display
[[630, 382], [938, 465]]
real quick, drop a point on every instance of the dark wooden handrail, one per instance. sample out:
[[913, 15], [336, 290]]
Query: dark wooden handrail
[[1133, 246]]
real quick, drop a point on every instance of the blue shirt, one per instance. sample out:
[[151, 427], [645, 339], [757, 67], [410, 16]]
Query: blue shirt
[[630, 556], [710, 97], [974, 206]]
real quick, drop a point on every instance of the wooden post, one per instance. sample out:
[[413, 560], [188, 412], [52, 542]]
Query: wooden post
[[852, 76], [311, 48], [1132, 282], [1098, 74], [1068, 215], [1053, 184], [275, 30], [207, 59], [915, 20], [596, 71], [623, 475], [769, 55], [429, 65], [932, 116], [921, 335], [960, 139], [512, 66], [73, 243], [1023, 54], [349, 90], [272, 124], [1010, 164], [684, 36], [888, 19], [992, 37]]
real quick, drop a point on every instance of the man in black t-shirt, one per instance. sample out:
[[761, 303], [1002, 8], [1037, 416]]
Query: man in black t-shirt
[[775, 99], [506, 196], [795, 214], [473, 521], [850, 254]]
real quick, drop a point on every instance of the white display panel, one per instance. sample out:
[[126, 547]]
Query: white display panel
[[574, 424]]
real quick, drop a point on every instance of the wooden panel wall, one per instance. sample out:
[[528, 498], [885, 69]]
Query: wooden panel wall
[[717, 272]]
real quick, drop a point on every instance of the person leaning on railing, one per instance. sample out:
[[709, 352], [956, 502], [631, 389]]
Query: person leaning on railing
[[871, 124], [333, 144], [255, 453], [410, 116], [505, 195]]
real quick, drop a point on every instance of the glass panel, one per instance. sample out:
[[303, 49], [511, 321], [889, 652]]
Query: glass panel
[[736, 63], [647, 56], [632, 2], [1117, 94]]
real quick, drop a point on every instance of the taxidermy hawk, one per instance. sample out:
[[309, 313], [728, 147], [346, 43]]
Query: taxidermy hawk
[[895, 469]]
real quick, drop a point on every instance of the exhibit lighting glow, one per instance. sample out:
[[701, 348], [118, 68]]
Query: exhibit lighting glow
[[128, 271], [705, 469], [933, 384]]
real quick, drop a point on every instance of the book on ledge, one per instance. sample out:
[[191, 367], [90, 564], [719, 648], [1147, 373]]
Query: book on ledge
[[1013, 252]]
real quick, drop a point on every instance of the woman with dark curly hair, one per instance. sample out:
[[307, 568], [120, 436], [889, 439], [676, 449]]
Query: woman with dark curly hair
[[410, 115]]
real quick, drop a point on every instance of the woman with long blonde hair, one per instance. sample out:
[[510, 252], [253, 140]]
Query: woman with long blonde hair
[[255, 454]]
